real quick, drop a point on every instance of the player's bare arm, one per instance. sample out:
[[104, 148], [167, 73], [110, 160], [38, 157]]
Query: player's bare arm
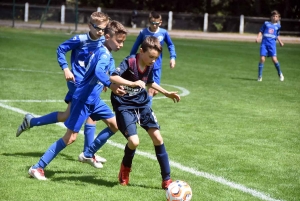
[[121, 81], [117, 89], [69, 75], [258, 37], [172, 63], [170, 94], [280, 41]]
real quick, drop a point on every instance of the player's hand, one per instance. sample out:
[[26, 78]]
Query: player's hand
[[172, 63], [117, 89], [257, 40], [281, 44], [139, 83], [173, 95], [104, 89], [69, 75]]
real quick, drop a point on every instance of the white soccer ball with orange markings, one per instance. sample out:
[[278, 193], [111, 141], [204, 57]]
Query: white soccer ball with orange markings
[[179, 191]]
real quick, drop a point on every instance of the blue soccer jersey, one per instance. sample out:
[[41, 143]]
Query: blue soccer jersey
[[270, 32], [82, 46], [136, 97], [98, 65], [163, 36]]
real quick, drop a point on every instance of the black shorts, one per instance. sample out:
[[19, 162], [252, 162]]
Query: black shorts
[[127, 120]]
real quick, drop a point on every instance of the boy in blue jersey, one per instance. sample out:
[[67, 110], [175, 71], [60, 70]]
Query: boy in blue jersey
[[86, 101], [155, 21], [269, 33], [134, 108], [82, 46]]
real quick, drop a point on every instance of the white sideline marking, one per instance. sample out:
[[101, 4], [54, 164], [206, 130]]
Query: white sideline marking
[[206, 175], [27, 70]]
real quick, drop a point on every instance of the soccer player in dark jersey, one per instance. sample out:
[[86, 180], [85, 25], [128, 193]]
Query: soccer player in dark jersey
[[133, 107], [269, 33], [86, 101], [154, 29]]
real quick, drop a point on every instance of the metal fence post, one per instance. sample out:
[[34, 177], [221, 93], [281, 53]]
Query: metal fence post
[[170, 20], [205, 24], [241, 24], [26, 12], [63, 13]]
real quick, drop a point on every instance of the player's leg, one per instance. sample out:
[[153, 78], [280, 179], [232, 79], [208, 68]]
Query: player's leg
[[101, 112], [263, 53], [30, 121], [127, 120], [150, 124], [37, 170], [156, 78], [273, 54]]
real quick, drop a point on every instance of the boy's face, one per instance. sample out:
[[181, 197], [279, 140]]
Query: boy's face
[[148, 57], [116, 42], [275, 18], [154, 24], [97, 29]]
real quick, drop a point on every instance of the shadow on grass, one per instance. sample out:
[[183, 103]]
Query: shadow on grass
[[243, 78], [38, 154], [86, 179]]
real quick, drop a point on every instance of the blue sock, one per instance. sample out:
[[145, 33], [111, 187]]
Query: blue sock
[[44, 120], [277, 66], [163, 160], [128, 156], [150, 102], [50, 154], [99, 141], [260, 69], [89, 135]]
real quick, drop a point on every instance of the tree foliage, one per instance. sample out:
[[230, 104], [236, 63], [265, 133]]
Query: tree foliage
[[262, 8]]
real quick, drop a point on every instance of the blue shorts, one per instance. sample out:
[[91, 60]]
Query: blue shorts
[[127, 119], [81, 111], [157, 75], [268, 50], [72, 88]]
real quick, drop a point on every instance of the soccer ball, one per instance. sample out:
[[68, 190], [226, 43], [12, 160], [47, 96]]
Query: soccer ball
[[179, 191]]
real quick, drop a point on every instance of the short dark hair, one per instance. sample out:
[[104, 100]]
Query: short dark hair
[[154, 15], [151, 42], [275, 12], [114, 27]]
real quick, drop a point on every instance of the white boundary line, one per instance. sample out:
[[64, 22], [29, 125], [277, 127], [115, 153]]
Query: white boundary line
[[206, 175]]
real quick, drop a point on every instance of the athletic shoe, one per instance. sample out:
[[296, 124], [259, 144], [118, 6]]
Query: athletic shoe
[[37, 173], [124, 175], [259, 79], [166, 183], [100, 159], [25, 124], [281, 78], [92, 161]]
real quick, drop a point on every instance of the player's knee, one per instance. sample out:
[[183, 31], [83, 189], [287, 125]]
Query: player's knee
[[62, 116], [133, 142]]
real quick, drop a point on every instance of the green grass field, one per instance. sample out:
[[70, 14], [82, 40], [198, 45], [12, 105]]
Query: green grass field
[[230, 137]]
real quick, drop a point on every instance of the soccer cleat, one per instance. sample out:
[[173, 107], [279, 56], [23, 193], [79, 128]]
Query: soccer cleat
[[166, 183], [281, 78], [259, 79], [37, 173], [92, 161], [100, 159], [25, 124], [124, 175]]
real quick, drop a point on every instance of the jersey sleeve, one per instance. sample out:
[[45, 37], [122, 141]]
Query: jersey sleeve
[[170, 45], [263, 27], [63, 48], [137, 43], [122, 67], [100, 71]]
